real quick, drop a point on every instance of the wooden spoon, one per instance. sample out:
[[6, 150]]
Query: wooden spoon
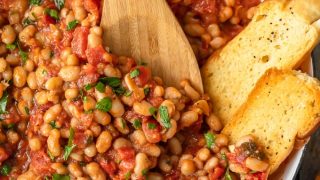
[[148, 31]]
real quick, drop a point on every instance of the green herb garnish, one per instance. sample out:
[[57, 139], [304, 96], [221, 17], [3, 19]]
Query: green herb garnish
[[5, 170], [151, 126], [127, 93], [71, 25], [100, 87], [35, 2], [153, 111], [53, 124], [3, 102], [87, 87], [146, 91], [164, 115], [137, 124], [26, 109], [144, 172], [104, 104], [70, 146], [210, 139], [50, 155], [27, 21], [111, 81], [52, 13], [11, 46], [127, 176], [134, 73], [60, 177], [59, 4]]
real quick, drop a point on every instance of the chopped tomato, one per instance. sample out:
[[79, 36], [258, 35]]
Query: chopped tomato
[[205, 6], [152, 129], [41, 163], [144, 76], [3, 155], [216, 173], [80, 41], [80, 139], [93, 6], [173, 175], [109, 166], [46, 20], [256, 176], [96, 55], [126, 153], [89, 75]]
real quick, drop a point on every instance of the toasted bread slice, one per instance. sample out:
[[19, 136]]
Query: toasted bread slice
[[276, 37], [282, 108]]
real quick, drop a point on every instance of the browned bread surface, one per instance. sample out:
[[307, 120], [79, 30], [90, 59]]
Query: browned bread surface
[[282, 108], [276, 37]]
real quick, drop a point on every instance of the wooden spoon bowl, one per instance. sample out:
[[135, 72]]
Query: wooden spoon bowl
[[149, 32]]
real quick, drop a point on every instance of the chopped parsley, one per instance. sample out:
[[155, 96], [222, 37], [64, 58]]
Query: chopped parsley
[[134, 73], [210, 139], [111, 81], [164, 115], [60, 177], [71, 25], [50, 155], [5, 170], [52, 13], [127, 176], [11, 46], [137, 124], [114, 83], [44, 72], [26, 109], [104, 104], [87, 87], [127, 93], [53, 124], [70, 146], [151, 126], [85, 98], [146, 91], [3, 102], [100, 87], [227, 175], [27, 21], [23, 54], [123, 123], [10, 126], [35, 2], [153, 111], [144, 172], [59, 4]]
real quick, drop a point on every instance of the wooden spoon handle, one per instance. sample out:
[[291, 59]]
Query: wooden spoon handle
[[148, 31], [307, 9]]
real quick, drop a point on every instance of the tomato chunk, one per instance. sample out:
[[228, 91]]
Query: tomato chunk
[[96, 55], [80, 41], [216, 173], [41, 163], [93, 6], [109, 166], [152, 129], [144, 76], [3, 154], [205, 6]]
